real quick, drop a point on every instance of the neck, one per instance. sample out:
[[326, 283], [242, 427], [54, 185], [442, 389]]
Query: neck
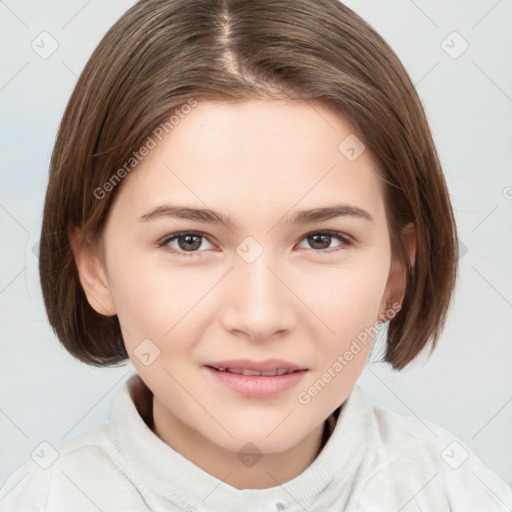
[[271, 470]]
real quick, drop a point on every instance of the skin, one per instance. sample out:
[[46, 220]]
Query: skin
[[258, 162]]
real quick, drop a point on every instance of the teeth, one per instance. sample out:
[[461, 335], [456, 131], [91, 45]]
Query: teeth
[[251, 372], [244, 371]]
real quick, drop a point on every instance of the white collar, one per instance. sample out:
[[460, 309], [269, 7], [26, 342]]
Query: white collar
[[164, 476]]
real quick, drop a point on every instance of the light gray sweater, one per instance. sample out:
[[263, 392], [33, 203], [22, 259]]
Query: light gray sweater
[[375, 460]]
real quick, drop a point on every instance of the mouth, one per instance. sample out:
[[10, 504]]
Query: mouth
[[246, 371], [267, 368], [256, 379]]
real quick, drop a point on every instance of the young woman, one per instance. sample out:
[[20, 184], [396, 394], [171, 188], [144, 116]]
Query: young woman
[[240, 193]]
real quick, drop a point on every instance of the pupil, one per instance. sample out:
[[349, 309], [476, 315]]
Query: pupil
[[325, 242], [187, 239]]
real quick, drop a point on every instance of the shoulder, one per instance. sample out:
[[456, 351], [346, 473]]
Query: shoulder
[[419, 465], [76, 475]]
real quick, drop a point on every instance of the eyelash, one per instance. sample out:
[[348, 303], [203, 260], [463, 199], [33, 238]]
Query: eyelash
[[345, 240]]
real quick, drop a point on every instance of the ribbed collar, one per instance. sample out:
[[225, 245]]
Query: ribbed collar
[[164, 477]]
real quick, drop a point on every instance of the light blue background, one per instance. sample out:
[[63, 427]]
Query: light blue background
[[466, 386]]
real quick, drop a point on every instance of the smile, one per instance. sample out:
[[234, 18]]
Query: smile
[[254, 379], [271, 373]]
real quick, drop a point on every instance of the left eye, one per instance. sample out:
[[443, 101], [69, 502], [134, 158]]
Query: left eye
[[322, 240]]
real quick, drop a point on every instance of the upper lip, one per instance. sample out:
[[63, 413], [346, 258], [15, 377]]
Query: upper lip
[[261, 366]]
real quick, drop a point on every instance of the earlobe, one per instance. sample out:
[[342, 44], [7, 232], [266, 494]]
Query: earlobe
[[92, 275], [396, 285], [394, 293]]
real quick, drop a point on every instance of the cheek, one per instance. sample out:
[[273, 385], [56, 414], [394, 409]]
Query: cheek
[[155, 300], [348, 306], [348, 298], [348, 309]]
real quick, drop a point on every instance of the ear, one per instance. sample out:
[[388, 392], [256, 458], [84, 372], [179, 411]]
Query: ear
[[92, 274], [396, 284]]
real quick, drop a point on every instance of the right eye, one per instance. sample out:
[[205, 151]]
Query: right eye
[[184, 242]]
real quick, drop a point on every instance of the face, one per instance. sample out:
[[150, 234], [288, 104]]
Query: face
[[258, 286]]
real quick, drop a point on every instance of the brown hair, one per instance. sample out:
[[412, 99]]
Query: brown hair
[[161, 53]]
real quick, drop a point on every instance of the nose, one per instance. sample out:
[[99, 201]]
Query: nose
[[258, 301]]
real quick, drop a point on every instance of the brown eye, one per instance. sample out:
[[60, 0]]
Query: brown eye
[[189, 242], [319, 241], [186, 242], [322, 240]]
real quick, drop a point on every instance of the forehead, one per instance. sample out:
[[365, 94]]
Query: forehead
[[260, 156]]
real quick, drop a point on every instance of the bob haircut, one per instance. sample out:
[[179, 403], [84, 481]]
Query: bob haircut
[[162, 53]]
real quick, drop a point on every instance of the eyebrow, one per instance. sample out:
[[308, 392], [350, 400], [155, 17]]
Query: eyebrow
[[213, 217], [329, 212]]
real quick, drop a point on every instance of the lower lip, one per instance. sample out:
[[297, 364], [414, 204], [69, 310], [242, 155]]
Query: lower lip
[[257, 386]]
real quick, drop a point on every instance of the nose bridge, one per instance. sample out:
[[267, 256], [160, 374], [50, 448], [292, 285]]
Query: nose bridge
[[253, 265], [259, 302], [259, 282]]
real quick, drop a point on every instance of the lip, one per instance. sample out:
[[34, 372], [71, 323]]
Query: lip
[[256, 386], [261, 366]]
